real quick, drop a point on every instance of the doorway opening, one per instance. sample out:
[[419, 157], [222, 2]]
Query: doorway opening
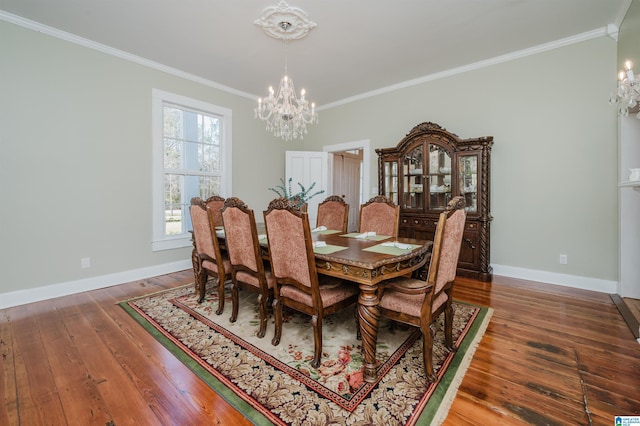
[[351, 176]]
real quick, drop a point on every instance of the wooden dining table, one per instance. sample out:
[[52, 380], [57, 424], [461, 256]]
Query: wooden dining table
[[367, 263]]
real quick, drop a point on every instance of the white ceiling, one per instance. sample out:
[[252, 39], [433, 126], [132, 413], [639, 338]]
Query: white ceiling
[[358, 46]]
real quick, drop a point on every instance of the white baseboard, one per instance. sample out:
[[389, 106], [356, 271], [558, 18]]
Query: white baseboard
[[37, 294], [575, 281]]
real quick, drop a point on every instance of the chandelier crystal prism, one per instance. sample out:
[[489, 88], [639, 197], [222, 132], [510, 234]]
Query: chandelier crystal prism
[[628, 94], [286, 115]]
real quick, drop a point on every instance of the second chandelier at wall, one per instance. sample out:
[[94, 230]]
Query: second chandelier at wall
[[627, 98], [286, 115]]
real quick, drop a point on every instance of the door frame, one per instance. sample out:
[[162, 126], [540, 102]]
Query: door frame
[[365, 146]]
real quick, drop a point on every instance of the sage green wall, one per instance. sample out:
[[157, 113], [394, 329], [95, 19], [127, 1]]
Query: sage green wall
[[628, 37], [554, 158], [75, 159], [75, 133]]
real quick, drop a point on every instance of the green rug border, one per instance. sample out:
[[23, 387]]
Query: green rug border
[[448, 387], [437, 406]]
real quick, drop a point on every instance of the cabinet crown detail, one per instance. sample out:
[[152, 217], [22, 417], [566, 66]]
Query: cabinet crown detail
[[424, 171]]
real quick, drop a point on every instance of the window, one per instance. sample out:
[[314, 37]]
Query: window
[[191, 158]]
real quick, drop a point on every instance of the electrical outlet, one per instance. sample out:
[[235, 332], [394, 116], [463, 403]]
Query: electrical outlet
[[564, 259], [85, 262]]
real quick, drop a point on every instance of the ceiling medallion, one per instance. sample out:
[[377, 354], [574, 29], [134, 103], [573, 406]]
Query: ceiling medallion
[[272, 18]]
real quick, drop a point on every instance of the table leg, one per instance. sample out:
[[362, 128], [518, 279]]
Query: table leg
[[368, 315]]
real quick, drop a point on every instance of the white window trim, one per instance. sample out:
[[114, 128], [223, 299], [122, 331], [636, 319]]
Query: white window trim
[[160, 240]]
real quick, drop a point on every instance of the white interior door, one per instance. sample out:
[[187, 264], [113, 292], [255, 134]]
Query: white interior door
[[307, 167]]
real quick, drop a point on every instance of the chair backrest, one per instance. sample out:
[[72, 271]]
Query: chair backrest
[[215, 204], [380, 215], [333, 213], [204, 235], [241, 235], [290, 245], [446, 246]]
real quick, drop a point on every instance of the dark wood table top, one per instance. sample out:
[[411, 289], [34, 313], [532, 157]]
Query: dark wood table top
[[354, 254], [359, 265], [369, 267]]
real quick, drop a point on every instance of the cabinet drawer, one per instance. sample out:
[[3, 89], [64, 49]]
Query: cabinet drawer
[[432, 223], [414, 221], [472, 226], [419, 222]]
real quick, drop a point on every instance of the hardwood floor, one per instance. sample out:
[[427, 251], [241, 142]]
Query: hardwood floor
[[630, 310], [551, 356]]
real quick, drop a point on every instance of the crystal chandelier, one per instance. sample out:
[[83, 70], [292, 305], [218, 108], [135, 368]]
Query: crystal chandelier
[[286, 115], [628, 95]]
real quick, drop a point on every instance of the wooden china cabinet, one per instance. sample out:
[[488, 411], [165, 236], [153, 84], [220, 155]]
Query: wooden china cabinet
[[429, 167]]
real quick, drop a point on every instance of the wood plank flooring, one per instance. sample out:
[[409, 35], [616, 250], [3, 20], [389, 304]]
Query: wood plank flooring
[[630, 311], [551, 356], [634, 307]]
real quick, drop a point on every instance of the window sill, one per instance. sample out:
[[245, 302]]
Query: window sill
[[170, 244]]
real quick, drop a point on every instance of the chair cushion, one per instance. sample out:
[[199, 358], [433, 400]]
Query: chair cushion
[[332, 291], [211, 266], [244, 277], [409, 304]]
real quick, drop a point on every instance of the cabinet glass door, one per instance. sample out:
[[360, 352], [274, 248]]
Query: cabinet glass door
[[391, 180], [468, 181], [439, 177], [412, 181]]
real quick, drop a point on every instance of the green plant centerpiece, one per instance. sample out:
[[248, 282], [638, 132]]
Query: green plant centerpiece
[[285, 190]]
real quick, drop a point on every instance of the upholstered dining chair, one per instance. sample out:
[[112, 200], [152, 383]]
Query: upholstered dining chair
[[298, 285], [333, 213], [215, 204], [247, 266], [207, 258], [420, 303], [380, 215]]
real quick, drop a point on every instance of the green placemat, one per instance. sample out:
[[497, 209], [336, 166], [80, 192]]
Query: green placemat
[[328, 249], [370, 237], [328, 232], [390, 249]]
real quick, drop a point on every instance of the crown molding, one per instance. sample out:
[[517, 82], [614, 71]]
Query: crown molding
[[72, 38], [622, 12], [472, 67], [609, 30]]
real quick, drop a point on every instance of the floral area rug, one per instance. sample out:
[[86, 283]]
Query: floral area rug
[[277, 385]]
